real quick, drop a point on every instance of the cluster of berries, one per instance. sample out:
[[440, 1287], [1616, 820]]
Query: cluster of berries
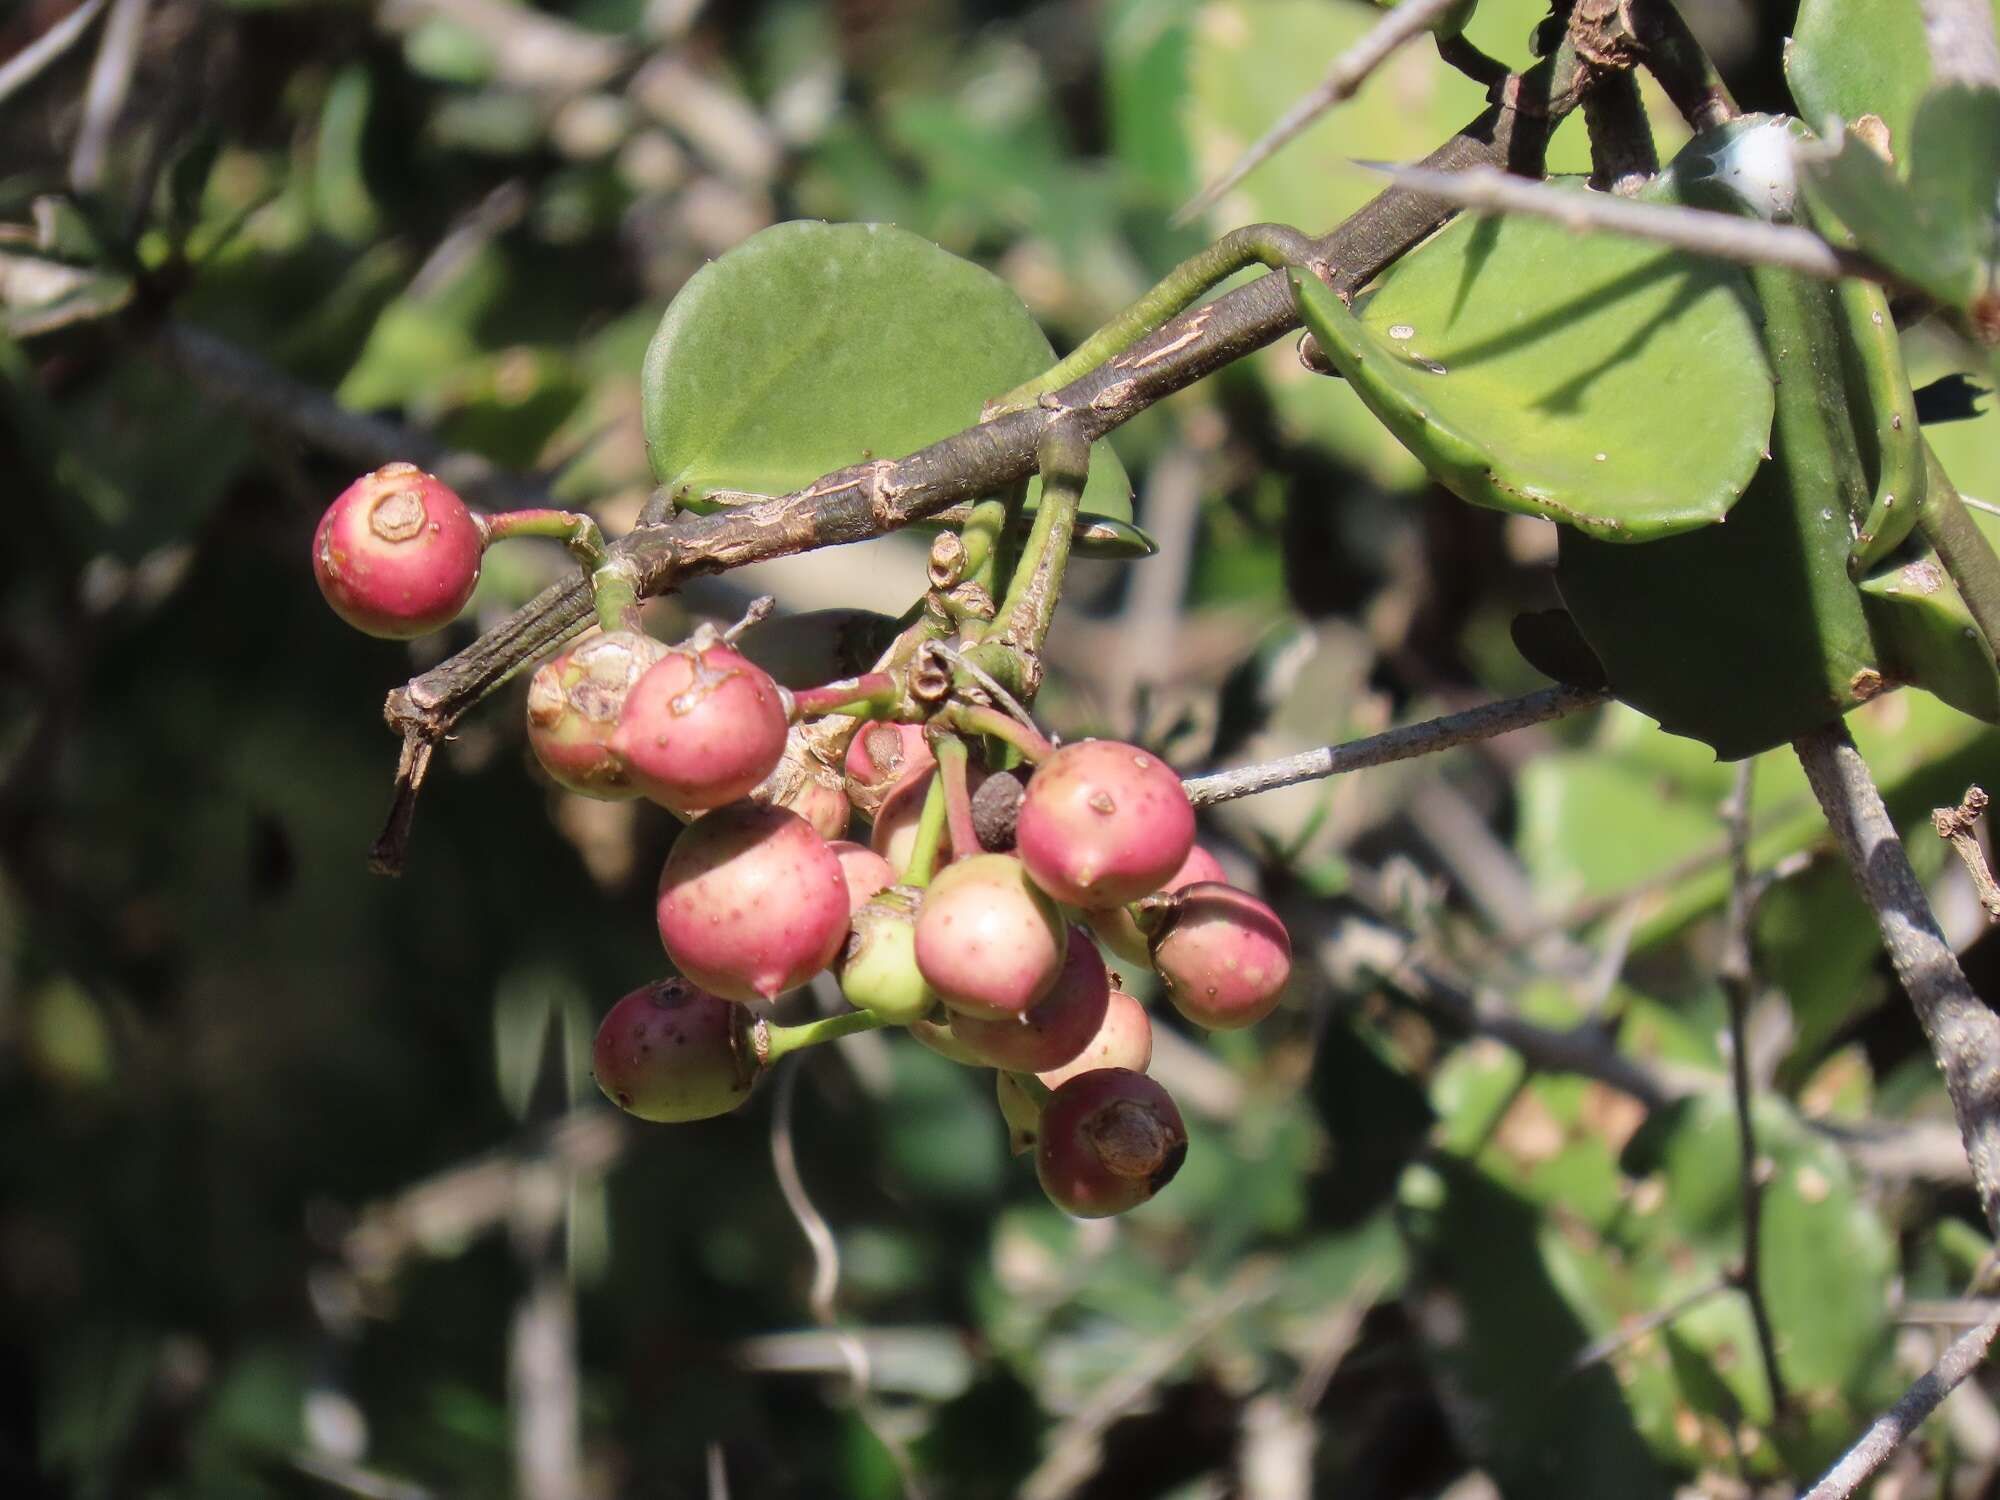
[[984, 946]]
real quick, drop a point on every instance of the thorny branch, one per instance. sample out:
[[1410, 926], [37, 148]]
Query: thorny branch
[[1700, 231], [1955, 825], [1964, 1035], [1402, 743], [1408, 21], [873, 498], [1889, 1430], [1738, 982]]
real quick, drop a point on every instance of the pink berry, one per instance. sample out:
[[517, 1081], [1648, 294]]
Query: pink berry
[[883, 756], [894, 835], [800, 783], [671, 1051], [1110, 1139], [1224, 954], [1055, 1028], [988, 941], [752, 902], [701, 729], [1103, 823], [573, 707], [1123, 1040], [397, 554], [1114, 925], [866, 871]]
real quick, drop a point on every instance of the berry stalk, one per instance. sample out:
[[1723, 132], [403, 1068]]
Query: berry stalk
[[923, 859], [773, 1042], [952, 773]]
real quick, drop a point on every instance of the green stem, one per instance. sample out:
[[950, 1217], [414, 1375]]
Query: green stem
[[1962, 548], [615, 595], [774, 1042], [1010, 647], [574, 529], [1274, 245], [930, 835], [982, 535], [951, 759], [868, 696], [977, 718]]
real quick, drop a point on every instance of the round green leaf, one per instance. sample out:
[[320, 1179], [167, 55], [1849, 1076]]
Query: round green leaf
[[1246, 62], [1849, 58], [1535, 370], [810, 347]]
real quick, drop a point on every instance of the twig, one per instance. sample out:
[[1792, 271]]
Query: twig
[[104, 96], [1959, 34], [1964, 1036], [1889, 1430], [1738, 983], [1959, 1312], [364, 1483], [26, 65], [1073, 1447], [885, 494], [1622, 155], [826, 1276], [233, 374], [1402, 743], [450, 1208], [1408, 21], [1361, 948], [1679, 62], [1956, 825], [541, 1350], [1700, 231], [1623, 1337]]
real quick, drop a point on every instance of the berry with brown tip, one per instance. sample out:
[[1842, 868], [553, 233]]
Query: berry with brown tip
[[752, 902], [989, 941], [1124, 1039], [573, 706], [1224, 954], [1114, 925], [397, 553], [1110, 1139], [797, 782], [702, 728], [670, 1051], [1055, 1028], [1103, 823], [883, 756]]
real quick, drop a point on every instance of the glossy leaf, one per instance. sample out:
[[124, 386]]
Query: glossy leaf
[[1746, 635], [1938, 231], [1927, 633], [1537, 371], [810, 347], [1247, 61], [1849, 58]]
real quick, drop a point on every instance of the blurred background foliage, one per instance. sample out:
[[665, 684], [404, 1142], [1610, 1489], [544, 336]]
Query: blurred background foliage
[[303, 1189]]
